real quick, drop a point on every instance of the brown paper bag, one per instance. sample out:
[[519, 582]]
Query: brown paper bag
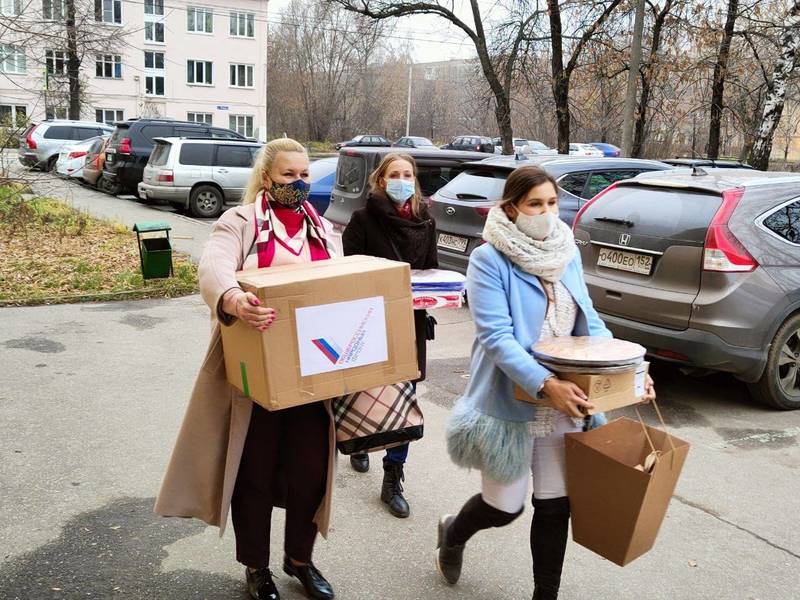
[[617, 509]]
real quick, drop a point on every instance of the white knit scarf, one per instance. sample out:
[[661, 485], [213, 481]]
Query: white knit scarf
[[546, 258]]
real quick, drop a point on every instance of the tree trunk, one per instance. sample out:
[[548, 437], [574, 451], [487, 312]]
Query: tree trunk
[[73, 63], [560, 81], [633, 78], [776, 95], [720, 73]]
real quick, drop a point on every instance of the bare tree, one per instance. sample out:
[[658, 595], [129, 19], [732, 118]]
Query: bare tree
[[720, 73]]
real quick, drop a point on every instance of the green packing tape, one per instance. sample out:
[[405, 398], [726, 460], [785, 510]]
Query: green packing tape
[[245, 387]]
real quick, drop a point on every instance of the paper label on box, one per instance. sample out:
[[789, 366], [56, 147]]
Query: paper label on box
[[639, 382], [342, 335]]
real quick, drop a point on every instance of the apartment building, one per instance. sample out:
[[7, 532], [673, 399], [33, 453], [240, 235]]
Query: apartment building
[[198, 61]]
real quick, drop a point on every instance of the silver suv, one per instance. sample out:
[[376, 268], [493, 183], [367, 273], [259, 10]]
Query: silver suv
[[196, 174], [40, 144]]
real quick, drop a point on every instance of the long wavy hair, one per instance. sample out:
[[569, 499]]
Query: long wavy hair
[[264, 161], [380, 173]]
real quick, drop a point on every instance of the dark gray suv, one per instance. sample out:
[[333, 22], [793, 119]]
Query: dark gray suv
[[702, 268]]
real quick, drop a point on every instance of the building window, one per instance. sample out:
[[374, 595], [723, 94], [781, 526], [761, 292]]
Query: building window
[[242, 76], [10, 8], [241, 124], [108, 11], [55, 112], [56, 61], [109, 116], [154, 7], [12, 59], [154, 73], [199, 117], [199, 20], [12, 115], [199, 72], [109, 66], [243, 24], [54, 10], [154, 31]]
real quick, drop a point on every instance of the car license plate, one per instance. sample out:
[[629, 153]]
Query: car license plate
[[453, 242], [110, 156], [625, 261]]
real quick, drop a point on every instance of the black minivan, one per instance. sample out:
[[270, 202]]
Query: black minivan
[[132, 141]]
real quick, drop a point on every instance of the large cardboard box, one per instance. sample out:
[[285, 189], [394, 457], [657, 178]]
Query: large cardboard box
[[606, 392], [616, 507], [342, 325]]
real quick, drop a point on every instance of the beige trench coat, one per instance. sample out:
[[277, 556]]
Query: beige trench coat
[[202, 470]]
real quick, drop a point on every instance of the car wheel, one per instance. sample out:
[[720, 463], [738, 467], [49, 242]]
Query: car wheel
[[779, 386], [205, 201], [51, 163]]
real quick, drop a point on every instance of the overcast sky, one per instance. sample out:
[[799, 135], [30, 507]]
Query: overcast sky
[[432, 38]]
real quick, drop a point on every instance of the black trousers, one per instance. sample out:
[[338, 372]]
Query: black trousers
[[296, 440]]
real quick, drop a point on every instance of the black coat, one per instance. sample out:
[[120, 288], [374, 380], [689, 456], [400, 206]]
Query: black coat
[[374, 228]]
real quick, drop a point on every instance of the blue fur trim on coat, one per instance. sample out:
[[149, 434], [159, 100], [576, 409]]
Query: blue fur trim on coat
[[501, 449]]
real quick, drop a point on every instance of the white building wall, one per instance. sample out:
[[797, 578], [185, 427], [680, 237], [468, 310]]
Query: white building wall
[[128, 94]]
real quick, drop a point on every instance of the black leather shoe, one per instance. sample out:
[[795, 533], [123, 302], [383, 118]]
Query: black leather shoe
[[315, 584], [260, 584], [359, 462], [392, 490], [448, 558]]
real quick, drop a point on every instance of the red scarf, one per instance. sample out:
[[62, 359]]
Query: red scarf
[[293, 222], [405, 211]]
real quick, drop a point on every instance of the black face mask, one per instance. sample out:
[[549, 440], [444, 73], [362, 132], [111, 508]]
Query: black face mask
[[291, 195]]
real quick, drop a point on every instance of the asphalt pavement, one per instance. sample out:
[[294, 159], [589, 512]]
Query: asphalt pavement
[[92, 395]]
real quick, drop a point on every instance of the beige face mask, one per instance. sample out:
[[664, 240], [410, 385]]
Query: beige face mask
[[537, 227]]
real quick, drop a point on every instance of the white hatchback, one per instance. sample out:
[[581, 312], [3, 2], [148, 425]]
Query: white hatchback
[[585, 150], [72, 158]]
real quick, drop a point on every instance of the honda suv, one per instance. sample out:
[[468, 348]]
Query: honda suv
[[40, 145], [702, 268], [130, 146], [198, 175]]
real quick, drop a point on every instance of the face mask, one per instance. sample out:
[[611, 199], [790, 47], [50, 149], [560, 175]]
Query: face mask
[[400, 190], [290, 195], [538, 227]]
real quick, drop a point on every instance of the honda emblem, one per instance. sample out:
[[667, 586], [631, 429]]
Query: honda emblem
[[624, 239], [450, 211]]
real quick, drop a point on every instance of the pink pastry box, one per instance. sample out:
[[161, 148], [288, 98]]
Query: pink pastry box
[[437, 288]]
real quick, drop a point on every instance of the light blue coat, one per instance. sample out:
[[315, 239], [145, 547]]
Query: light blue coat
[[488, 428]]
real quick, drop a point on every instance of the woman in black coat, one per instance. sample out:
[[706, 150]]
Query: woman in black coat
[[395, 224]]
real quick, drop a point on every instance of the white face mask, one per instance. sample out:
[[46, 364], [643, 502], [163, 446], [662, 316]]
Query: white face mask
[[538, 227]]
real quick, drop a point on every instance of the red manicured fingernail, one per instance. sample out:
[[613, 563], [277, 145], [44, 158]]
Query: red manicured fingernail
[[256, 302]]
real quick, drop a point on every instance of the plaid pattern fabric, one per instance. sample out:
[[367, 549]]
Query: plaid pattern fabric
[[377, 418]]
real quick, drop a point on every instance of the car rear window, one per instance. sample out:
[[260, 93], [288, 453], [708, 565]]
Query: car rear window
[[160, 154], [119, 133], [234, 156], [197, 155], [478, 185], [84, 133], [154, 131], [433, 178], [600, 180], [58, 132], [785, 222], [351, 173]]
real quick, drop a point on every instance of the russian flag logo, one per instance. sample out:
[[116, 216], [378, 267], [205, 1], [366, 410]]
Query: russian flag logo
[[329, 349]]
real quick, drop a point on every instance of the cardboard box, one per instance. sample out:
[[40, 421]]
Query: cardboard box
[[617, 509], [343, 325], [606, 392]]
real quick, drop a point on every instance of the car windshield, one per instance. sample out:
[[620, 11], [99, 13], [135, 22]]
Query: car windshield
[[321, 168], [422, 141], [476, 184], [351, 173]]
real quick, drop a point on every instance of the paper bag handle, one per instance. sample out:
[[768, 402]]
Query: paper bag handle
[[663, 424]]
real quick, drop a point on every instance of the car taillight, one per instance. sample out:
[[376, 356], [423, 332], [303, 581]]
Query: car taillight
[[125, 146], [165, 177], [29, 141], [723, 252], [589, 203], [76, 154], [483, 211]]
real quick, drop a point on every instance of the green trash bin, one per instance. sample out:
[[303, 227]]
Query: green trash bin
[[155, 253]]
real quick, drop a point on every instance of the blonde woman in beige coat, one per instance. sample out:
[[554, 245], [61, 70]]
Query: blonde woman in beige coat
[[230, 452]]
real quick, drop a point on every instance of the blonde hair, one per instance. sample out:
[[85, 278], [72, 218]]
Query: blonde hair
[[264, 161], [379, 173]]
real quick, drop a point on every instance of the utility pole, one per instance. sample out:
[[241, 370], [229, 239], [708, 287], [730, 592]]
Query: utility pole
[[408, 102], [633, 78]]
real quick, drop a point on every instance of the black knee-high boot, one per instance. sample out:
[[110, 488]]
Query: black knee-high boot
[[475, 515], [548, 545]]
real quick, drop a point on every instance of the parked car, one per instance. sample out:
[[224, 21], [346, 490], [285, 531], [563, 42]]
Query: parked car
[[435, 168], [198, 175], [95, 158], [707, 162], [323, 176], [40, 144], [470, 143], [706, 275], [607, 149], [461, 206], [72, 159], [415, 142], [364, 140], [525, 146], [132, 141], [585, 150]]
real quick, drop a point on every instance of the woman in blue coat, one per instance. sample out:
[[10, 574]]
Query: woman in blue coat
[[524, 285]]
